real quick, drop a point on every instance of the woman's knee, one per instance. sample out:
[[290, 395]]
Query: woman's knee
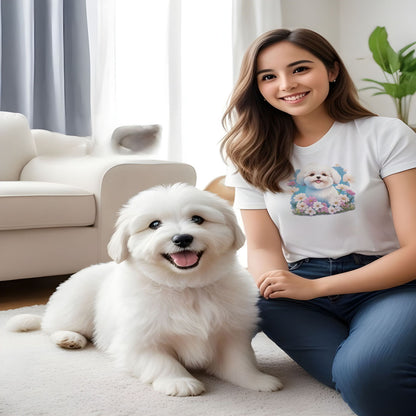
[[375, 382], [306, 333]]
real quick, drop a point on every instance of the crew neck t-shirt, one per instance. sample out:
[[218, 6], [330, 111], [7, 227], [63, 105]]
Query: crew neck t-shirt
[[336, 202]]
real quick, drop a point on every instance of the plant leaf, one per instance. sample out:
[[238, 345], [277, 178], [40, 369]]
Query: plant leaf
[[380, 90], [383, 53], [407, 62], [405, 48], [394, 90], [408, 83]]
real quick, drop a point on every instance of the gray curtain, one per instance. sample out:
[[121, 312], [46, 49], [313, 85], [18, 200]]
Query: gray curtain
[[45, 63]]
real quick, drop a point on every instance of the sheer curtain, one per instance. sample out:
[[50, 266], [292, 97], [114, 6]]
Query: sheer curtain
[[250, 19], [44, 63], [163, 62], [170, 62]]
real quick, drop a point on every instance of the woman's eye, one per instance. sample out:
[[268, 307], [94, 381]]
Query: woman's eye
[[300, 69], [267, 77], [155, 224], [197, 219]]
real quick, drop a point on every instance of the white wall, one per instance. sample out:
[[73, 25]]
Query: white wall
[[358, 19], [347, 24], [318, 15]]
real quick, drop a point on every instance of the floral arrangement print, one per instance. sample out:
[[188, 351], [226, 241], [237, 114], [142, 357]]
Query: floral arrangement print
[[302, 204]]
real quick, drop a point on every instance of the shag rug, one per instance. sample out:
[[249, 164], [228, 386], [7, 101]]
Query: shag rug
[[40, 379]]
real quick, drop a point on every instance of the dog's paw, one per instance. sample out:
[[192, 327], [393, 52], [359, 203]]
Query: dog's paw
[[265, 382], [183, 386], [23, 323], [69, 339]]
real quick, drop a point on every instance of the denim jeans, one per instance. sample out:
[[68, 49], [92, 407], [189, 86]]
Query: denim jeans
[[363, 345]]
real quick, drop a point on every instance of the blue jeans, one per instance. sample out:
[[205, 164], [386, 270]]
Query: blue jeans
[[363, 345]]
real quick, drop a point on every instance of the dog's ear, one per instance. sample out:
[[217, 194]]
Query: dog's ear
[[117, 246], [239, 237], [300, 177], [335, 175]]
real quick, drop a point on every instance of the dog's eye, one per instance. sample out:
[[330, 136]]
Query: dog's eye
[[197, 219], [155, 224]]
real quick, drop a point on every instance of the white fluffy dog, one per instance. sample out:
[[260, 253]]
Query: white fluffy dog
[[174, 298], [319, 183]]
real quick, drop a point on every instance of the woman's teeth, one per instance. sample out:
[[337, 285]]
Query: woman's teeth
[[294, 97]]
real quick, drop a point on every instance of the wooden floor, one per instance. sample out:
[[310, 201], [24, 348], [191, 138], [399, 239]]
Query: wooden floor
[[26, 292]]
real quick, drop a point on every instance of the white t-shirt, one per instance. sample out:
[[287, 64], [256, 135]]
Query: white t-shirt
[[336, 203]]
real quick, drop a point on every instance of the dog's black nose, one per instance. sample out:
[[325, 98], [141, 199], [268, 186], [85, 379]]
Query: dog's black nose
[[182, 240]]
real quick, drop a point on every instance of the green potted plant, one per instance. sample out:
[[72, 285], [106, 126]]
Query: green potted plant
[[399, 69]]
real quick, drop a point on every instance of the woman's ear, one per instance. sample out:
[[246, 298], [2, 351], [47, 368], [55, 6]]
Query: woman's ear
[[333, 72]]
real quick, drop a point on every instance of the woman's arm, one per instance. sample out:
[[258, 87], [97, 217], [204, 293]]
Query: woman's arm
[[394, 269], [264, 247]]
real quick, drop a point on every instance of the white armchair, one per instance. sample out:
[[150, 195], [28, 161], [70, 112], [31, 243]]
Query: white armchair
[[58, 205]]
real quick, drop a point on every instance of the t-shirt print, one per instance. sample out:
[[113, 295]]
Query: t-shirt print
[[321, 190]]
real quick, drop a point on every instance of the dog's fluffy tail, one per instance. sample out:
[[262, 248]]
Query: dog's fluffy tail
[[24, 322]]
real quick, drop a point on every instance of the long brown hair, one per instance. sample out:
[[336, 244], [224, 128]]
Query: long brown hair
[[260, 140]]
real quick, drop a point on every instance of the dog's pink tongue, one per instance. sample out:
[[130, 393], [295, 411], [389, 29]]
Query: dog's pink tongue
[[184, 258]]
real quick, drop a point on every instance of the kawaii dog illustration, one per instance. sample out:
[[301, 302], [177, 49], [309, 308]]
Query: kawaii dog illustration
[[319, 182], [321, 190]]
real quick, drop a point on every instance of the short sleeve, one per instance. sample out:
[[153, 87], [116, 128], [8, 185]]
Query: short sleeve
[[246, 195], [397, 148]]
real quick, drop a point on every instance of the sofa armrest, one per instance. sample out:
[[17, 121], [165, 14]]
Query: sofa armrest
[[113, 180]]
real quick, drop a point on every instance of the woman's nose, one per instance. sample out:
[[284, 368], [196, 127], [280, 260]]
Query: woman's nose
[[287, 83]]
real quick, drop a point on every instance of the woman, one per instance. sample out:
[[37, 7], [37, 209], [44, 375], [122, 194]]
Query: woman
[[327, 192]]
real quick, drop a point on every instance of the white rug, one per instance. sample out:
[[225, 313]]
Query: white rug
[[39, 379]]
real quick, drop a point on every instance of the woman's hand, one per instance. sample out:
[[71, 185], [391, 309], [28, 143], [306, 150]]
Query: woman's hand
[[284, 284]]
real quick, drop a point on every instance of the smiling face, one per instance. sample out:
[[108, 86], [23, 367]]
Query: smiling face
[[293, 80], [176, 235], [318, 179]]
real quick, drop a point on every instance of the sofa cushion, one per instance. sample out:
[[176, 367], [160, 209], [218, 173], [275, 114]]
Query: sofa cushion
[[17, 146], [26, 204], [52, 143]]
